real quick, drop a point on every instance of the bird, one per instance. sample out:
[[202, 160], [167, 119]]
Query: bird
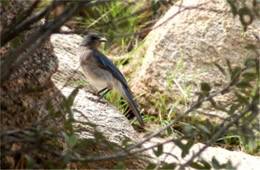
[[102, 73]]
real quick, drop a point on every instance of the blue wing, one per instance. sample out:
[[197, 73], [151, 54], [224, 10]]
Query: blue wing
[[106, 64]]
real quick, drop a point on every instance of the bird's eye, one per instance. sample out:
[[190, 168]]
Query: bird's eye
[[95, 38]]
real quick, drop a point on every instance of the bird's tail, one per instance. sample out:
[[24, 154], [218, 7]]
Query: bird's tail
[[128, 97]]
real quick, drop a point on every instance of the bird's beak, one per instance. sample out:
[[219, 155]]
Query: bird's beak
[[103, 40]]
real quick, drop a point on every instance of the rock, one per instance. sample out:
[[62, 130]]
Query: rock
[[24, 93], [109, 121], [194, 39], [65, 48], [238, 159], [29, 85]]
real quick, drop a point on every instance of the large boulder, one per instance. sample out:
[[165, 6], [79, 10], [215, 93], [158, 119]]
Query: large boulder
[[66, 49], [19, 90], [25, 91], [194, 38]]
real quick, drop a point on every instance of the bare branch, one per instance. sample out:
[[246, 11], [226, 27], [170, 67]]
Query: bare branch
[[12, 61], [16, 29], [16, 22]]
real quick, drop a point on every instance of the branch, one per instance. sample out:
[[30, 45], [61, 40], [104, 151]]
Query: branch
[[12, 61], [12, 32], [15, 22]]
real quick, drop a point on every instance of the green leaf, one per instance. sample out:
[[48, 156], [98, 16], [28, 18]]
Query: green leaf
[[200, 165], [17, 41], [180, 144], [205, 87], [221, 69], [4, 2], [251, 144], [68, 126], [228, 165], [169, 131], [151, 166], [72, 141], [241, 99], [159, 150], [251, 46], [229, 66], [51, 110], [126, 142], [168, 166], [72, 96], [98, 135], [66, 159], [230, 137], [249, 76], [257, 67], [206, 164], [233, 108], [85, 143], [243, 84], [30, 161], [196, 165], [186, 148], [66, 137], [235, 72], [203, 129], [215, 163], [68, 102], [250, 62], [121, 165]]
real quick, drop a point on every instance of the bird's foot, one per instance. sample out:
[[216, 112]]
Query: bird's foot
[[101, 94], [97, 100]]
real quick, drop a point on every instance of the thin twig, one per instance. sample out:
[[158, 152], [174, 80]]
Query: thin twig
[[16, 22]]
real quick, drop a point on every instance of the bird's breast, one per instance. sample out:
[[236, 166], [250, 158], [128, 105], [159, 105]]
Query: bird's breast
[[97, 77]]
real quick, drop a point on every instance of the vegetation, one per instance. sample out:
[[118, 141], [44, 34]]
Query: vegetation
[[123, 23]]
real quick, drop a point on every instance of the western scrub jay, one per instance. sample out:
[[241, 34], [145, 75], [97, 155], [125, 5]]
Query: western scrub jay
[[102, 73]]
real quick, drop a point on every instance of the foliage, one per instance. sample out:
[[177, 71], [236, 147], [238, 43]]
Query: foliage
[[120, 21]]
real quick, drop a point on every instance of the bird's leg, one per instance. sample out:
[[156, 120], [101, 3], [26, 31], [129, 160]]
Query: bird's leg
[[101, 91], [101, 95], [104, 91]]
